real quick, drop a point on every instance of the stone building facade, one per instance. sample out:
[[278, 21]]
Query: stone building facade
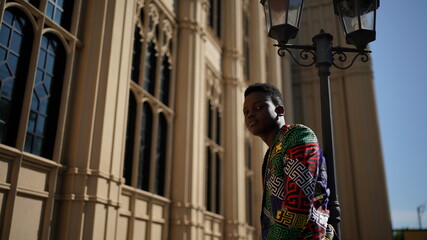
[[122, 119]]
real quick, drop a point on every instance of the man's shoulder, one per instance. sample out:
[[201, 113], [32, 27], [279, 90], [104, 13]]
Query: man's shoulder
[[298, 126], [297, 134]]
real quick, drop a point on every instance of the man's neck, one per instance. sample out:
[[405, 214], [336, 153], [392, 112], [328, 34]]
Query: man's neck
[[269, 138]]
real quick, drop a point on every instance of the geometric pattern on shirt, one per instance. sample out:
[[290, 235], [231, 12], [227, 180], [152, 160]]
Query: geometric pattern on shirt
[[296, 135], [299, 143], [279, 232], [318, 217], [301, 176], [276, 185], [291, 219], [317, 227], [275, 161], [307, 154]]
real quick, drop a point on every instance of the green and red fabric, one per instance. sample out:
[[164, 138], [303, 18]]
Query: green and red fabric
[[295, 187]]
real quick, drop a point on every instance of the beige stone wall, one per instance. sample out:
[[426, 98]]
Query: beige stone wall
[[81, 192]]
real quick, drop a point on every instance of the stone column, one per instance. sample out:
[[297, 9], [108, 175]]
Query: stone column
[[234, 166], [93, 147], [187, 192]]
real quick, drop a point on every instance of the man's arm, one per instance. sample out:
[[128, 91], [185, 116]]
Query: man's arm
[[301, 163]]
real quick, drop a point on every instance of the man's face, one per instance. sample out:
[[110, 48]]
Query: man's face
[[260, 115]]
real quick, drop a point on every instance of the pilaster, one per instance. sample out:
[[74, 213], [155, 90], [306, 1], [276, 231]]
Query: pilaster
[[234, 167], [260, 72], [187, 194], [94, 140]]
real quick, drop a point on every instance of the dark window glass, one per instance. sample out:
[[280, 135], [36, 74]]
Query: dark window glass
[[16, 38], [165, 79], [245, 23], [60, 11], [248, 155], [213, 181], [246, 44], [150, 24], [247, 61], [161, 156], [210, 116], [130, 139], [34, 2], [214, 17], [145, 147], [212, 13], [46, 98], [249, 185], [218, 184], [150, 68], [136, 55], [218, 127], [218, 18], [249, 200], [208, 179]]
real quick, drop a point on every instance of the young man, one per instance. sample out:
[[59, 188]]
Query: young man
[[294, 171]]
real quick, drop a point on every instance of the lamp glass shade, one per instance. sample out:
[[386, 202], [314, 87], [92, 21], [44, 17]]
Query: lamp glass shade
[[294, 12], [283, 18], [358, 20]]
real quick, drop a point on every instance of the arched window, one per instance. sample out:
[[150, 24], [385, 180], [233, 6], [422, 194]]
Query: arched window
[[162, 134], [208, 174], [60, 11], [214, 16], [218, 175], [136, 55], [164, 80], [46, 97], [16, 37], [218, 126], [210, 120], [214, 149], [150, 68], [151, 83], [145, 147], [36, 68], [246, 39], [249, 175], [130, 139]]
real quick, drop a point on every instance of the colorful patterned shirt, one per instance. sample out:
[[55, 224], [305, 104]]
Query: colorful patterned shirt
[[295, 187]]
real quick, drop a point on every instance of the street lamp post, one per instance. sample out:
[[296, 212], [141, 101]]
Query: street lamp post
[[358, 18]]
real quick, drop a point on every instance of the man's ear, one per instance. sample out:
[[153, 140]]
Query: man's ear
[[280, 110]]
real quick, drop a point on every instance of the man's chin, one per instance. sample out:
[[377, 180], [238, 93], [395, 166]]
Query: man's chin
[[254, 132]]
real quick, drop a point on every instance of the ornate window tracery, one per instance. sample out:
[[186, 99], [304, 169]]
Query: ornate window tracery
[[16, 36], [214, 148], [45, 76], [37, 45], [150, 111], [46, 97]]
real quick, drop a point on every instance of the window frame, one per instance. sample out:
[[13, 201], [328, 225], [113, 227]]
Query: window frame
[[161, 35], [215, 17], [19, 161], [42, 25], [214, 186]]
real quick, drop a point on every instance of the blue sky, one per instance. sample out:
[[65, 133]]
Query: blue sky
[[400, 77]]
